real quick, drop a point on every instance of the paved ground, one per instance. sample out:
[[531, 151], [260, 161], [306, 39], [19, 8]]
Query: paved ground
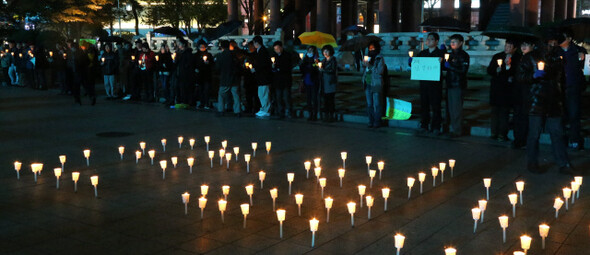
[[139, 213]]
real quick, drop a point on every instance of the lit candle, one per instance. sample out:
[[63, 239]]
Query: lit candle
[[372, 174], [567, 193], [298, 201], [410, 184], [475, 213], [307, 166], [519, 253], [385, 194], [191, 162], [221, 155], [399, 242], [343, 155], [557, 205], [380, 166], [87, 156], [434, 171], [227, 159], [323, 184], [254, 147], [250, 192], [174, 161], [281, 217], [75, 177], [132, 57], [247, 159], [121, 151], [222, 204], [450, 251], [421, 179], [191, 142], [368, 160], [301, 55], [51, 54], [313, 226], [163, 165], [317, 161], [362, 189], [411, 53], [205, 58], [447, 56], [579, 180], [317, 171], [261, 177], [442, 166], [290, 178], [499, 62], [575, 188], [137, 156], [369, 200], [328, 202], [204, 190], [274, 193], [272, 59], [224, 144], [487, 183], [541, 66], [237, 152], [202, 204], [207, 140], [351, 210], [366, 58], [341, 173], [483, 204], [245, 211], [94, 182], [211, 155], [152, 154], [513, 200], [57, 172], [185, 198], [225, 191], [268, 144], [142, 147], [320, 64], [62, 160], [157, 58], [246, 64], [163, 144], [520, 188], [543, 232], [452, 165], [17, 167], [36, 168], [525, 243]]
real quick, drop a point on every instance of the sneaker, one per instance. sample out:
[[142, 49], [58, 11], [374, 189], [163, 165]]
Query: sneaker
[[127, 97], [259, 113], [265, 114]]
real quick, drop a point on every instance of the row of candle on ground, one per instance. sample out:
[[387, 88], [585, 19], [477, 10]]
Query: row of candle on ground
[[207, 140]]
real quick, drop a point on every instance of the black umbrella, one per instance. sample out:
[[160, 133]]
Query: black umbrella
[[446, 23], [355, 29], [510, 32], [111, 39], [580, 27], [359, 43], [223, 29], [169, 31]]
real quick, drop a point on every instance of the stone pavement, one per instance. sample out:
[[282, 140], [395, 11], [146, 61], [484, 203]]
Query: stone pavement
[[137, 212]]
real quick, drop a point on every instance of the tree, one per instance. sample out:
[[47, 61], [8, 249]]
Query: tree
[[206, 13], [431, 4]]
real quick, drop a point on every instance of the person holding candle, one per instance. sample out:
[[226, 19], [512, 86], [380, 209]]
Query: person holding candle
[[204, 73], [6, 61], [261, 68], [329, 81], [430, 91], [311, 81], [164, 67], [250, 85], [374, 82], [282, 80], [542, 75], [501, 87], [456, 80], [77, 65], [184, 69], [228, 67], [109, 63], [147, 63]]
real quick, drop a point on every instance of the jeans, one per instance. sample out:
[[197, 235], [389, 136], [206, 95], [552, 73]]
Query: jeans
[[499, 120], [222, 98], [312, 100], [374, 107], [166, 91], [430, 100], [283, 100], [554, 127], [263, 95], [455, 104], [13, 75], [109, 85], [203, 91]]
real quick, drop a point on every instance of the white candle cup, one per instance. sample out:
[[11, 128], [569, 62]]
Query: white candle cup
[[341, 173], [142, 147], [274, 193], [399, 242], [368, 160], [191, 142], [224, 144], [410, 184], [225, 191], [362, 189], [268, 144], [307, 165], [290, 178], [250, 192], [372, 174], [544, 233], [121, 151], [343, 156], [87, 156], [299, 201], [211, 156], [17, 167], [434, 171], [575, 187], [281, 213], [579, 180], [452, 166], [227, 159], [202, 205], [369, 200], [328, 202], [247, 159], [57, 172], [75, 178], [513, 200], [450, 251], [557, 205], [442, 166], [351, 210], [421, 179], [499, 62], [245, 211], [163, 165], [317, 161], [567, 193], [174, 161], [254, 147], [503, 224], [190, 161], [483, 204], [318, 172], [221, 155], [525, 243], [204, 190], [207, 139], [152, 154], [323, 185], [222, 204], [185, 199], [36, 168], [520, 188], [475, 213], [541, 65], [137, 156], [380, 166], [313, 226], [385, 194], [237, 152], [62, 159], [261, 177], [180, 140], [94, 182], [163, 145], [487, 183]]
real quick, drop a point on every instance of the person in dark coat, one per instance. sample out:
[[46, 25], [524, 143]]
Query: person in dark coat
[[329, 81], [456, 80], [374, 83], [431, 91], [164, 66], [109, 63], [250, 84], [146, 62], [262, 68], [545, 104], [185, 69], [228, 67], [77, 68], [204, 71], [311, 81], [502, 69], [282, 80]]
